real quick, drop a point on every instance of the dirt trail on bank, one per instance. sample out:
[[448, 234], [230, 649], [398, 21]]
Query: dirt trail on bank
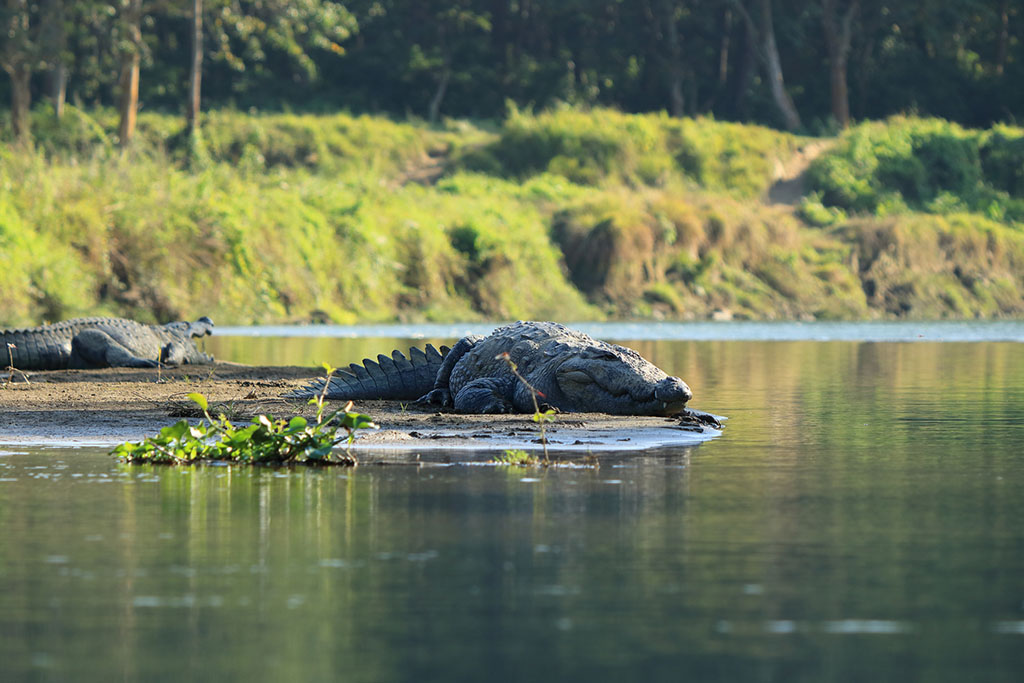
[[789, 185], [108, 406]]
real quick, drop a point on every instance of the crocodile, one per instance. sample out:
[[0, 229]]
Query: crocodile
[[102, 343], [570, 372]]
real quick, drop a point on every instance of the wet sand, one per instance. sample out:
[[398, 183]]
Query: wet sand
[[106, 407]]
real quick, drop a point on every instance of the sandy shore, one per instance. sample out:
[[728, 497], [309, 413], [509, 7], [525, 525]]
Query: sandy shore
[[106, 407]]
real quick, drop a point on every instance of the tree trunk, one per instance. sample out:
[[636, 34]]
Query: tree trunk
[[21, 101], [723, 50], [434, 110], [773, 65], [16, 59], [53, 38], [768, 51], [840, 94], [129, 98], [196, 70], [743, 73], [677, 102], [724, 45], [58, 88], [500, 42], [1003, 42], [131, 62], [838, 35]]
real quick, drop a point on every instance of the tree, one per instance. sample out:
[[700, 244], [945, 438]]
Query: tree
[[838, 32], [54, 37], [17, 59], [1003, 41], [768, 51], [130, 50], [257, 40], [195, 76], [677, 102]]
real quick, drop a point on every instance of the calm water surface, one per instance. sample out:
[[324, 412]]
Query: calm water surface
[[861, 518]]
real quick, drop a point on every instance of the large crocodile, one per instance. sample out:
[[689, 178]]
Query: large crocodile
[[571, 372], [103, 342]]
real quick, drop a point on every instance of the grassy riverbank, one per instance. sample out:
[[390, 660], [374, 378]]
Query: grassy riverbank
[[565, 215]]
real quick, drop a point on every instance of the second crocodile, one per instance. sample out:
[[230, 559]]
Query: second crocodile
[[103, 342]]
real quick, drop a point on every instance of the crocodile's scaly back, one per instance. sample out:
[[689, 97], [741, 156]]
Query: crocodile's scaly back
[[392, 377], [102, 342]]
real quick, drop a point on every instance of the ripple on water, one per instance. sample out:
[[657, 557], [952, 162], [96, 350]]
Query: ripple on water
[[843, 627], [1009, 627]]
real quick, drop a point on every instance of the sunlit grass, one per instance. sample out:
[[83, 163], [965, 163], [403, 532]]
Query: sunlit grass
[[561, 215]]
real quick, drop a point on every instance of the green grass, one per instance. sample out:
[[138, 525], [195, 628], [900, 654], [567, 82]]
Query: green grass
[[602, 146], [565, 215]]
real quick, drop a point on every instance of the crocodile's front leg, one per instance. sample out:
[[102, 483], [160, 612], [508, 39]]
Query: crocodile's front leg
[[173, 354], [486, 395], [441, 393]]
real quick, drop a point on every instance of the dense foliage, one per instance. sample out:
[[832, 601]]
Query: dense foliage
[[925, 164], [961, 60]]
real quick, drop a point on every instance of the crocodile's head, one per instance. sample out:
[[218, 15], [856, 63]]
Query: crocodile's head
[[200, 328], [188, 332], [613, 379]]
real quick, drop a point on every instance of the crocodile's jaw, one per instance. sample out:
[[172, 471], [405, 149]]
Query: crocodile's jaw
[[620, 388]]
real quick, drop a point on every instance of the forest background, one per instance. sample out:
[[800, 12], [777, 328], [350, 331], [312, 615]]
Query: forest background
[[265, 160]]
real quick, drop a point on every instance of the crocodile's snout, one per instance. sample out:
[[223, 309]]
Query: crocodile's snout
[[672, 390]]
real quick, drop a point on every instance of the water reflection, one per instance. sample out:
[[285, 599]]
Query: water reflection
[[860, 518]]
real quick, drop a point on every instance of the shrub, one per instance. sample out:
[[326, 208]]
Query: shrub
[[1002, 160], [923, 164]]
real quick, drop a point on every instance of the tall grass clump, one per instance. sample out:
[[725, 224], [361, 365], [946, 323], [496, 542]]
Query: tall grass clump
[[140, 237], [739, 159], [602, 146], [927, 266], [658, 253], [327, 144]]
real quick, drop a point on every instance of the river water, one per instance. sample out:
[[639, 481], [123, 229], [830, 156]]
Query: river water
[[860, 518]]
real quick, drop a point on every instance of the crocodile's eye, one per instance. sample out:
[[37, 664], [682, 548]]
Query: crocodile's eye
[[577, 376]]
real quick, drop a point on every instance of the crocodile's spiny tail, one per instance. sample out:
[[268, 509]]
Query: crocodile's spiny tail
[[394, 378]]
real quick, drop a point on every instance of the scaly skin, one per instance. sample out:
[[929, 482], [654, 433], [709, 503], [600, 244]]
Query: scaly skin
[[103, 342], [572, 371]]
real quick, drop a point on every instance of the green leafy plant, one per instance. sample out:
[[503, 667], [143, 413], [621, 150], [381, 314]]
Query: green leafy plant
[[263, 441]]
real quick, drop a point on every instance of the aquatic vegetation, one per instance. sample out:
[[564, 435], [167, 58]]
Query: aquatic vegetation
[[520, 458], [516, 458], [264, 441]]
